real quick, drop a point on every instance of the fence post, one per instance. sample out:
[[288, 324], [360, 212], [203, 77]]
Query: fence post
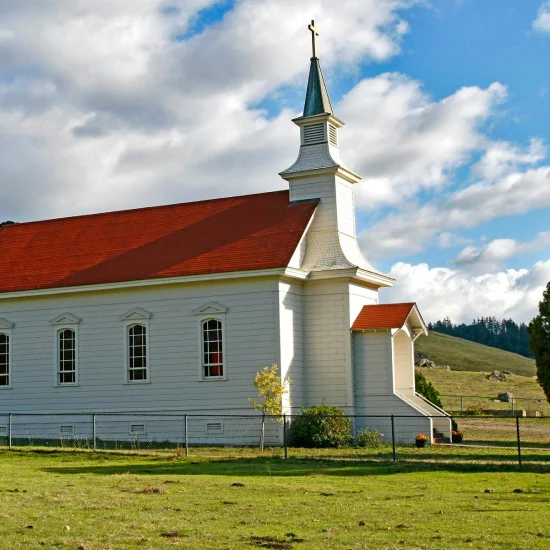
[[94, 432], [9, 432], [461, 403], [285, 436], [186, 438], [393, 438], [519, 440]]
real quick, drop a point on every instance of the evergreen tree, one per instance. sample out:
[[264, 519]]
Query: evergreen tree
[[425, 388], [539, 330]]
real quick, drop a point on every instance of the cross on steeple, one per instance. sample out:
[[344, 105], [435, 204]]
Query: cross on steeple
[[314, 33]]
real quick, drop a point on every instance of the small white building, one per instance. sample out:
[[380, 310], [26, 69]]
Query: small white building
[[176, 308]]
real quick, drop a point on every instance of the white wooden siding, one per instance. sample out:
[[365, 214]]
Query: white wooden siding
[[328, 343], [404, 365], [291, 320], [372, 362], [251, 333]]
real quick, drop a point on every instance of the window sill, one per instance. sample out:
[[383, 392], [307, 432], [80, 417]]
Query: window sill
[[136, 382], [213, 379], [66, 385], [6, 388]]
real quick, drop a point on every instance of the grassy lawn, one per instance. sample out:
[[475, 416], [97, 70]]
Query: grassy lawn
[[463, 355], [108, 501]]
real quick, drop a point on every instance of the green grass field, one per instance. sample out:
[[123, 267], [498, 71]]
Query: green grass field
[[106, 501], [463, 355], [470, 362]]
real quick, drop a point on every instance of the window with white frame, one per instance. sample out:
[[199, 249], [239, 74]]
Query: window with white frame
[[212, 348], [137, 353], [66, 356], [5, 356]]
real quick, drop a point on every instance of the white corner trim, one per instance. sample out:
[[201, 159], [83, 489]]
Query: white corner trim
[[66, 319], [135, 314], [210, 308], [5, 324]]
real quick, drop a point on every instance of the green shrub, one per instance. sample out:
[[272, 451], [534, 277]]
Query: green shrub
[[425, 388], [369, 438], [320, 427]]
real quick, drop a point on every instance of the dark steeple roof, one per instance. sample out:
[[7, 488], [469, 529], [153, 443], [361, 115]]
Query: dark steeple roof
[[317, 100]]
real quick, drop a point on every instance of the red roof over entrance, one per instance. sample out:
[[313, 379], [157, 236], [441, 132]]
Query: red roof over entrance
[[233, 234], [383, 316]]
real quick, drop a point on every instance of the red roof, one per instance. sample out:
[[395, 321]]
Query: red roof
[[233, 234], [383, 316]]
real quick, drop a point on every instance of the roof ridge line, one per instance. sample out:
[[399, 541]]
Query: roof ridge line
[[142, 208]]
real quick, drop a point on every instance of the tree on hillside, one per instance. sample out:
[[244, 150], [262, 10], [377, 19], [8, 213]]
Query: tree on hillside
[[427, 389], [489, 331], [539, 331]]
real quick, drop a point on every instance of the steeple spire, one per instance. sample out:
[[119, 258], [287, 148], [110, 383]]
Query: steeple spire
[[317, 99]]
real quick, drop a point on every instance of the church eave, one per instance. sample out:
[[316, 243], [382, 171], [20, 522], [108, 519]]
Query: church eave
[[337, 169], [161, 281], [322, 117], [377, 279]]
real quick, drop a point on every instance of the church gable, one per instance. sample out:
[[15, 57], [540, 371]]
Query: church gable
[[210, 307], [5, 324], [65, 319], [136, 314]]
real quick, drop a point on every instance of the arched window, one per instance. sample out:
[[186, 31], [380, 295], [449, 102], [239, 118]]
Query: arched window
[[137, 353], [4, 359], [212, 348], [66, 354]]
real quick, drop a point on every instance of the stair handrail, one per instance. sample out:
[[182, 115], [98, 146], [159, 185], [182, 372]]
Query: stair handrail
[[432, 404]]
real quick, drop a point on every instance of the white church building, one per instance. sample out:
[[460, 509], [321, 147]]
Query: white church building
[[176, 308]]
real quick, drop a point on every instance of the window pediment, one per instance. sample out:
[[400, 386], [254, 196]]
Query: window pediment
[[210, 307], [136, 314], [65, 319], [5, 324]]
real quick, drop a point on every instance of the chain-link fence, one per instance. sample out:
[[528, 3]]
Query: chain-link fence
[[506, 406], [438, 439]]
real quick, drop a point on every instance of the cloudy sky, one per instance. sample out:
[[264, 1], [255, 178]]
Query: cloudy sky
[[121, 104]]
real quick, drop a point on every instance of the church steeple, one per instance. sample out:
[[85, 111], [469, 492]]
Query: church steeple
[[317, 99], [319, 127], [319, 173]]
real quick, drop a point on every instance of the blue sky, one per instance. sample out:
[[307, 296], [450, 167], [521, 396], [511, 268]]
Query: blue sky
[[123, 104]]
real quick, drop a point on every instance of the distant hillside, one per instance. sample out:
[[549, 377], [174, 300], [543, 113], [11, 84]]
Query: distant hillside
[[504, 334], [469, 363], [463, 355]]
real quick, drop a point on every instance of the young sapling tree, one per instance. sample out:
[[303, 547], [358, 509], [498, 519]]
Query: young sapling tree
[[271, 390]]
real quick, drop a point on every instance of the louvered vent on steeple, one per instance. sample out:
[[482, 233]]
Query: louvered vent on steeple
[[314, 133], [333, 135]]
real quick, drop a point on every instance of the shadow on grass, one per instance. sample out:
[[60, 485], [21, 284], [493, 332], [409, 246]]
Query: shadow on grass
[[276, 467]]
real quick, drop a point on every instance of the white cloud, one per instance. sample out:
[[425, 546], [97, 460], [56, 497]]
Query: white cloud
[[118, 114], [402, 141], [542, 22], [416, 227], [502, 158], [492, 256], [442, 292]]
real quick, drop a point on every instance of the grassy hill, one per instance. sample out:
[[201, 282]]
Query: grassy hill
[[470, 362], [463, 355]]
